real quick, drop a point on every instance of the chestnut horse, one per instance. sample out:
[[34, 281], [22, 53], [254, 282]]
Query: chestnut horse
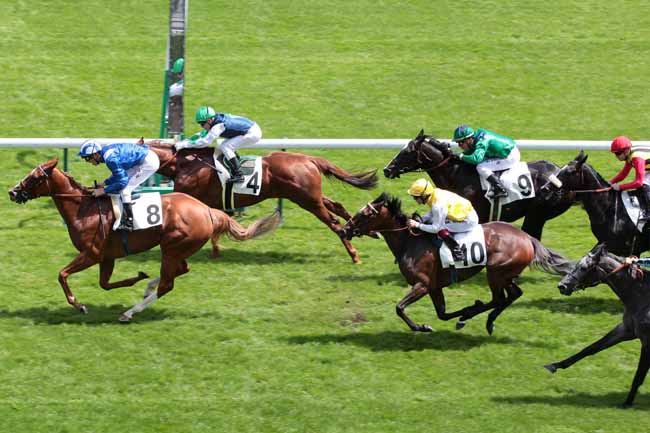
[[509, 251], [293, 176], [187, 226]]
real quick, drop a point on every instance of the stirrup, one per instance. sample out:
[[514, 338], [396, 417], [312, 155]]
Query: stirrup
[[236, 179]]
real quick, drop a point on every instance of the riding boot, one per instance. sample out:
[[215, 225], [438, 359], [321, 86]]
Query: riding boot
[[498, 190], [236, 175], [644, 202], [126, 222], [453, 245]]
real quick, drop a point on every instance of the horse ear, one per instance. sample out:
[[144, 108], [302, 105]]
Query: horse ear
[[582, 157], [599, 249], [421, 133], [49, 165]]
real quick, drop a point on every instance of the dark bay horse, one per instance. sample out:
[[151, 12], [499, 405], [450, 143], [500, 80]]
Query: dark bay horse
[[607, 216], [293, 176], [425, 153], [632, 286], [187, 226], [509, 251]]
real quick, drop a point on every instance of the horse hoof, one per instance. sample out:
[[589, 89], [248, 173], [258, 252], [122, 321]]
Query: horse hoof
[[142, 275], [460, 325], [83, 309], [124, 319], [490, 328], [551, 367], [425, 328]]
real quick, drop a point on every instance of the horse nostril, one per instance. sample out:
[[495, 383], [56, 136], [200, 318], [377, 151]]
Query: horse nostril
[[387, 173]]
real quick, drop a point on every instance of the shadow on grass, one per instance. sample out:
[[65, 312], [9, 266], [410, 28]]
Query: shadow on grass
[[574, 305], [240, 256], [393, 341], [97, 315], [392, 279], [610, 400]]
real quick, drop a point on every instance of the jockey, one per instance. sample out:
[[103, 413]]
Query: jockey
[[638, 158], [237, 131], [489, 152], [130, 165], [450, 213]]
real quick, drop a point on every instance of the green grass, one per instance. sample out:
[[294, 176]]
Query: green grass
[[284, 334]]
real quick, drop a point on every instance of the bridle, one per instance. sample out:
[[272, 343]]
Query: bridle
[[24, 186], [422, 162], [374, 211]]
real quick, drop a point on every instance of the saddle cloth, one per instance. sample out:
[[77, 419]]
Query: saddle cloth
[[251, 167], [147, 210], [633, 209], [516, 180], [472, 244]]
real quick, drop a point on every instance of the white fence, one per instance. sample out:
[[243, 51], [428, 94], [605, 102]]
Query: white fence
[[318, 143]]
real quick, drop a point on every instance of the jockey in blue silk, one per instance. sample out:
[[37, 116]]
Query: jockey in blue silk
[[449, 213], [237, 131], [489, 152], [130, 165]]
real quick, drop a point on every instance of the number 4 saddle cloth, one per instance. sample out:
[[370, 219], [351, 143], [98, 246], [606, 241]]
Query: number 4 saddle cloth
[[251, 167], [147, 210], [472, 244]]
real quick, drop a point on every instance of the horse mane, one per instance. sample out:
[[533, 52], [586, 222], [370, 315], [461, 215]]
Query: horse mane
[[601, 180], [394, 206], [73, 182]]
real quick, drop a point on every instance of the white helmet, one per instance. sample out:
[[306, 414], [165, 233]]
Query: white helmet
[[88, 148]]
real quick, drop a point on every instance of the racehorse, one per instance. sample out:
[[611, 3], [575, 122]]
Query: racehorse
[[187, 226], [293, 176], [425, 153], [607, 215], [632, 286], [509, 251]]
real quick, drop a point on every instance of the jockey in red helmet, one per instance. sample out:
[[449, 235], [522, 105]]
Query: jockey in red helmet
[[638, 158]]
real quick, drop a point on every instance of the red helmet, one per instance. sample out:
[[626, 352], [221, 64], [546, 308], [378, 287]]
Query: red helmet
[[620, 143]]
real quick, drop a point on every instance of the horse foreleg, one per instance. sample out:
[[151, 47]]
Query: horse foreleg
[[169, 270], [438, 299], [533, 225], [639, 376], [417, 292], [216, 252], [81, 262], [618, 334], [106, 267], [514, 292]]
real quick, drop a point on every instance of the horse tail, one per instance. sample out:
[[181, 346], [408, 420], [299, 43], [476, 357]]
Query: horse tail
[[364, 180], [549, 261], [234, 230]]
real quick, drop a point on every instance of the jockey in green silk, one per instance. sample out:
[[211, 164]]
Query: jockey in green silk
[[489, 152]]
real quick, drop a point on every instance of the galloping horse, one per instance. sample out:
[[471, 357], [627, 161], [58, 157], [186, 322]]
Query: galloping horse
[[632, 286], [509, 251], [287, 175], [425, 153], [607, 215], [187, 226]]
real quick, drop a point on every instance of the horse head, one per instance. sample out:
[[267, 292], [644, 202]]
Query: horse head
[[378, 215], [424, 152], [574, 176], [590, 271], [35, 184]]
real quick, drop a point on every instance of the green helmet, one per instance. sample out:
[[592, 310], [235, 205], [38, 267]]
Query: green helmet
[[177, 67], [204, 114], [462, 132]]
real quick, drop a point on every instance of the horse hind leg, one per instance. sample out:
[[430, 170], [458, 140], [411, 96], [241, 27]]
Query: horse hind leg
[[336, 208], [513, 293], [216, 251], [169, 269], [321, 212], [639, 376], [106, 267]]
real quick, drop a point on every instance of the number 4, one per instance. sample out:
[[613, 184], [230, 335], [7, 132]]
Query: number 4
[[253, 183]]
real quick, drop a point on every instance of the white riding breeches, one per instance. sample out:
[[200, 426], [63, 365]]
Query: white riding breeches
[[490, 165], [230, 145], [466, 225], [140, 173]]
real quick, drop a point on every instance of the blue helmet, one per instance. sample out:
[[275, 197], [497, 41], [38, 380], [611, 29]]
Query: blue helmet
[[88, 148], [463, 132]]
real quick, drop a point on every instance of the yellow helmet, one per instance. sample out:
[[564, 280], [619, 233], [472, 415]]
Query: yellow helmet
[[421, 188]]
